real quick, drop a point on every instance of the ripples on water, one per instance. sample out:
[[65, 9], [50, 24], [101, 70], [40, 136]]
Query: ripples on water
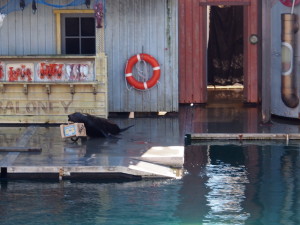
[[227, 192], [224, 185]]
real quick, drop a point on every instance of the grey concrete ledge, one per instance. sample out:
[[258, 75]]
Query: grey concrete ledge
[[248, 137], [138, 170], [244, 136]]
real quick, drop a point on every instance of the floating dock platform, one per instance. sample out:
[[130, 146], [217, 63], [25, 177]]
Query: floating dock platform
[[37, 152]]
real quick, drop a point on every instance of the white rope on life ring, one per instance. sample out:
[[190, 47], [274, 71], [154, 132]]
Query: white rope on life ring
[[155, 75]]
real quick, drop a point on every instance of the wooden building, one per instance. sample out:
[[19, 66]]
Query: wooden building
[[142, 26], [39, 40], [48, 67], [175, 32], [193, 32]]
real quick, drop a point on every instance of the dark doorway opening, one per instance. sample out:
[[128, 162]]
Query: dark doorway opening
[[225, 45], [225, 52]]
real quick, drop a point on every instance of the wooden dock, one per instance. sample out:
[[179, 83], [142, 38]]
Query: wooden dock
[[241, 137]]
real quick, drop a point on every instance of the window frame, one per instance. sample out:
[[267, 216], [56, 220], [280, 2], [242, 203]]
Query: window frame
[[58, 19]]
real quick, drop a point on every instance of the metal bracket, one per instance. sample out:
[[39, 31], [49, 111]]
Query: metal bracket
[[72, 89], [25, 89], [94, 89], [2, 88], [48, 89]]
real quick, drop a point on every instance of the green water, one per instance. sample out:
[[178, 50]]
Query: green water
[[223, 185]]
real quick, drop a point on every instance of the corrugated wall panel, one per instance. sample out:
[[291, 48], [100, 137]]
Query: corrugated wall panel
[[25, 33], [136, 26], [132, 27], [173, 53]]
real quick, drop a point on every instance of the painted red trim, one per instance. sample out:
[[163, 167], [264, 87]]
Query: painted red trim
[[189, 50], [182, 73]]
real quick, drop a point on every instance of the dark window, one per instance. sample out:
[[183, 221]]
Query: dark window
[[72, 27], [88, 27], [78, 34], [72, 46]]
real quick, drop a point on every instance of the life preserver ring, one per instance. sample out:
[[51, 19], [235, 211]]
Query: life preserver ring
[[289, 3], [155, 75]]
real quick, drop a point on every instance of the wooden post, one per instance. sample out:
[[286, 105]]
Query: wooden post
[[192, 52], [251, 54], [266, 60]]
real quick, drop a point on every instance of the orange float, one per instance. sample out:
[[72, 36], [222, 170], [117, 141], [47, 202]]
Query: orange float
[[155, 75]]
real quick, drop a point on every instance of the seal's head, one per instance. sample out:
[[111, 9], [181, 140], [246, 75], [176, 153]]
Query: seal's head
[[77, 117]]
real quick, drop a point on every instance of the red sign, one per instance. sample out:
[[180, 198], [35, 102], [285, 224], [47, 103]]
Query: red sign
[[289, 3], [50, 70], [19, 73], [1, 72]]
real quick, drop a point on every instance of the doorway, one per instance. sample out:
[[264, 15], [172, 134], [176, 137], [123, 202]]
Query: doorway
[[225, 53], [225, 45], [193, 36]]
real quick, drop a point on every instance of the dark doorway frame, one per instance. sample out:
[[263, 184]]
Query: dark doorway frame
[[193, 52]]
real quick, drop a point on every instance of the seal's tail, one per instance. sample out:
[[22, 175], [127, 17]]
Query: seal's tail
[[126, 128]]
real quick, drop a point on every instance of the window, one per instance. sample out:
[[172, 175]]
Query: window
[[78, 34]]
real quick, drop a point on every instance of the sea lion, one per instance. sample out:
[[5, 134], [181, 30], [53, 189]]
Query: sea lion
[[96, 126]]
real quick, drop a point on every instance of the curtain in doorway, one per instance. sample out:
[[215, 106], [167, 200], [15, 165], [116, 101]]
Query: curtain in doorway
[[225, 45]]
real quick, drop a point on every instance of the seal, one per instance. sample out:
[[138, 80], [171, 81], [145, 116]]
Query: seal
[[96, 126]]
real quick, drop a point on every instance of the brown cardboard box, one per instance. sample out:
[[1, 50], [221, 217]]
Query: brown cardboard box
[[72, 130]]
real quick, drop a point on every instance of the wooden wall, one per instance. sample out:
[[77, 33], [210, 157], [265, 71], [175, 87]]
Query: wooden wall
[[131, 27], [192, 37], [136, 26], [266, 60], [193, 48], [25, 33]]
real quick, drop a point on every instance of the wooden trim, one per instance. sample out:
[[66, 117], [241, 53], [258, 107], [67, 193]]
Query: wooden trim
[[68, 57], [266, 60], [57, 13], [244, 136], [192, 58], [182, 58], [196, 53], [47, 85], [189, 50], [251, 54], [50, 83], [202, 98], [20, 149], [58, 34], [223, 3], [73, 11], [233, 2]]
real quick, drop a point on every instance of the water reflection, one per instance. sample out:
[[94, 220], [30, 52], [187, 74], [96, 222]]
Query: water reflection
[[227, 177], [241, 184], [142, 202], [223, 178], [227, 192], [231, 184]]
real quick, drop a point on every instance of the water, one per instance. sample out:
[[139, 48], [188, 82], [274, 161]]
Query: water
[[223, 185]]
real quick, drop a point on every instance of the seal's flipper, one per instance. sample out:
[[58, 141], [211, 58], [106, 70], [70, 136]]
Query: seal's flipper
[[126, 128]]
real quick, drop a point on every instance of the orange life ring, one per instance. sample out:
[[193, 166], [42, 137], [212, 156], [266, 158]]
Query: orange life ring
[[155, 75]]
